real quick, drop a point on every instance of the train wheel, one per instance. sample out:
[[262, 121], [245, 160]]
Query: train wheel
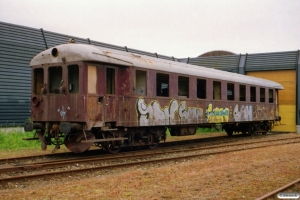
[[153, 146], [229, 132], [113, 147], [251, 130], [73, 142], [153, 140]]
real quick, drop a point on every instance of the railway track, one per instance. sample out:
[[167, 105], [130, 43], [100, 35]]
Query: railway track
[[204, 142], [288, 191], [20, 173]]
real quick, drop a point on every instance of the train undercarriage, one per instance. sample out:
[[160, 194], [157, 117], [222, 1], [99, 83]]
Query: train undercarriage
[[109, 138], [251, 127], [112, 139]]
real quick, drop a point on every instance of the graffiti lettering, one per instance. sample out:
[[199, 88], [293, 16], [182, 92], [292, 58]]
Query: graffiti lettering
[[217, 114], [153, 114]]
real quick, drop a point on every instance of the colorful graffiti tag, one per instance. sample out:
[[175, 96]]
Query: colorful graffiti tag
[[154, 114], [179, 113], [217, 114]]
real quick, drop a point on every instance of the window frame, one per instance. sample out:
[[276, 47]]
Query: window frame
[[160, 81]]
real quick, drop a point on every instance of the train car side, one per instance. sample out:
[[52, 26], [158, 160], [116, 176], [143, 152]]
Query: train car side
[[84, 95]]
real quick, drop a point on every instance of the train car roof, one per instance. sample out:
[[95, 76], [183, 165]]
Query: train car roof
[[84, 52]]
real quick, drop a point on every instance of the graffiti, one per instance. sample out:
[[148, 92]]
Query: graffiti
[[179, 113], [189, 115], [154, 114], [62, 111], [244, 114], [217, 114]]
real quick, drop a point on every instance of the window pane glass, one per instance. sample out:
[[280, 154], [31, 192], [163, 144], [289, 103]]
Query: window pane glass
[[217, 90], [55, 79], [141, 82], [230, 91], [73, 78], [110, 81], [38, 80], [162, 85], [262, 95], [201, 88], [242, 93], [183, 86], [271, 98], [253, 94]]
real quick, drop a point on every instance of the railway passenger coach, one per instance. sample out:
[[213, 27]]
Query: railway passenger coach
[[84, 95]]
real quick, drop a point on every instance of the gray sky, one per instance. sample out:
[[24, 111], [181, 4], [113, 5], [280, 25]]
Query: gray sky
[[179, 28]]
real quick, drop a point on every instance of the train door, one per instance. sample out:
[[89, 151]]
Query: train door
[[94, 108], [111, 101]]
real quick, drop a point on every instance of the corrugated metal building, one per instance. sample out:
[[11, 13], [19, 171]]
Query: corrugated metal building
[[18, 44]]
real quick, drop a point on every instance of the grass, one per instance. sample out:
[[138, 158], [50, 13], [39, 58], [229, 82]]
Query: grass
[[13, 141]]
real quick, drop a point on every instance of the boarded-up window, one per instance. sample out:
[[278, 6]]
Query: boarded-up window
[[217, 90], [110, 81], [183, 86], [38, 80], [141, 82], [92, 79]]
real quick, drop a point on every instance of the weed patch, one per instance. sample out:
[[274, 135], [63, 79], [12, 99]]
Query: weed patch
[[13, 141]]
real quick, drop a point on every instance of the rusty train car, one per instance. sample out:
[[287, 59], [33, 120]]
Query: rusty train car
[[84, 95]]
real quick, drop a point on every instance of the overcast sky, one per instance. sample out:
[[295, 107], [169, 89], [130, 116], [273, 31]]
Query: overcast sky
[[179, 28]]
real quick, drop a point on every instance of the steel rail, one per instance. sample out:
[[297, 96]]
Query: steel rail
[[281, 189], [128, 155], [165, 144], [7, 180]]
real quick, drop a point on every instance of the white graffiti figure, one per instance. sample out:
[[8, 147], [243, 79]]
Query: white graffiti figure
[[189, 115], [62, 111], [244, 114], [153, 114]]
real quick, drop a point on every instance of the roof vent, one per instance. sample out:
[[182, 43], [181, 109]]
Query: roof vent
[[72, 40]]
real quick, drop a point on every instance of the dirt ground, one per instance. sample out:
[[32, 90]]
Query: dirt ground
[[246, 174]]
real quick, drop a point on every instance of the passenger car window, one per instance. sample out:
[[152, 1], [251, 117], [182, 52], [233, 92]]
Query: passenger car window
[[216, 90], [73, 78], [230, 91], [110, 81], [253, 94], [262, 94], [38, 80], [271, 98], [141, 82], [183, 86], [242, 93], [55, 79], [201, 88], [162, 85]]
